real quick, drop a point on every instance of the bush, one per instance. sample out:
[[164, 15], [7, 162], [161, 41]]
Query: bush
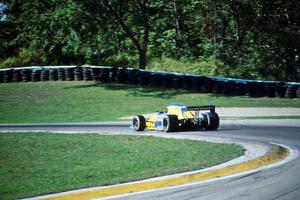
[[25, 57], [121, 60], [10, 63]]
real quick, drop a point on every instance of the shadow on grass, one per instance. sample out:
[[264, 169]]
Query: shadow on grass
[[134, 90], [225, 95], [84, 85], [147, 91]]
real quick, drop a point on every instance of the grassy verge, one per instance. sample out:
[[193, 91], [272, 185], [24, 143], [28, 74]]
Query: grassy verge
[[88, 102], [35, 163]]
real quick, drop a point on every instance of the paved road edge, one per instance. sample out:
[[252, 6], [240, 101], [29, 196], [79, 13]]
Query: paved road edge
[[278, 153]]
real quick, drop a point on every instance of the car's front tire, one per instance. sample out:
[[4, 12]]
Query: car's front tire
[[170, 123], [139, 123]]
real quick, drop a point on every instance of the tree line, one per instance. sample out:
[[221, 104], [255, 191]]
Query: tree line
[[244, 38]]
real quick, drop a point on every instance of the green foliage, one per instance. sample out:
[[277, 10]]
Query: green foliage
[[205, 66], [25, 57], [10, 63], [121, 60], [247, 39]]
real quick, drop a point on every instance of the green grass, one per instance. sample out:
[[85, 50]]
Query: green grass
[[208, 66], [89, 102], [38, 163]]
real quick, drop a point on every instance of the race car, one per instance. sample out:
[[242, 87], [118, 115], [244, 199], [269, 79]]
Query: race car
[[179, 117]]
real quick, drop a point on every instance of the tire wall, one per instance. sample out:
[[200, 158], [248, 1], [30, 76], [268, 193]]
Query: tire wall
[[163, 80]]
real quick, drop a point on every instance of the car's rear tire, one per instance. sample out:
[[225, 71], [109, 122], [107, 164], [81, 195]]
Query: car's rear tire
[[170, 123], [213, 121], [139, 123]]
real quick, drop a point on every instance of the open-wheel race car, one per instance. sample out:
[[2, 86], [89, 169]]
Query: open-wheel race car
[[179, 117]]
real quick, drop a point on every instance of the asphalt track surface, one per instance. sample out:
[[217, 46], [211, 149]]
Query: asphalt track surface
[[281, 182]]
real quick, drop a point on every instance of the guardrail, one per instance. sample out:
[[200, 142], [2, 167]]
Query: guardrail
[[133, 76]]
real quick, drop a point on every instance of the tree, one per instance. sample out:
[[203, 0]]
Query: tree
[[250, 39], [277, 34], [135, 18]]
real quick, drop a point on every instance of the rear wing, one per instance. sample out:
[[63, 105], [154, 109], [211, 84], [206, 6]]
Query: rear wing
[[211, 108]]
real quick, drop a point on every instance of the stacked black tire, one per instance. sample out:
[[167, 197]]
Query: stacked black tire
[[259, 89], [218, 87], [187, 82], [164, 80], [1, 77], [7, 75], [69, 73], [53, 74], [45, 74], [240, 89], [87, 74], [121, 75], [197, 82], [26, 75], [250, 88], [78, 74], [167, 81], [61, 74], [298, 92], [229, 88], [177, 81], [36, 75], [291, 92], [133, 76], [208, 84], [270, 89], [17, 77], [103, 76], [113, 74], [155, 80], [280, 89], [95, 73]]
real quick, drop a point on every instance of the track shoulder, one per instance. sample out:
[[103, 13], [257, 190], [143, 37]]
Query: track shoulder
[[272, 154]]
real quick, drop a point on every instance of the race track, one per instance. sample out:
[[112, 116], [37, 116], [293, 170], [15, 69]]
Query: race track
[[281, 182]]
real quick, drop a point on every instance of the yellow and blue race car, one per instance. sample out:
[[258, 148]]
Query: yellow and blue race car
[[179, 117]]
